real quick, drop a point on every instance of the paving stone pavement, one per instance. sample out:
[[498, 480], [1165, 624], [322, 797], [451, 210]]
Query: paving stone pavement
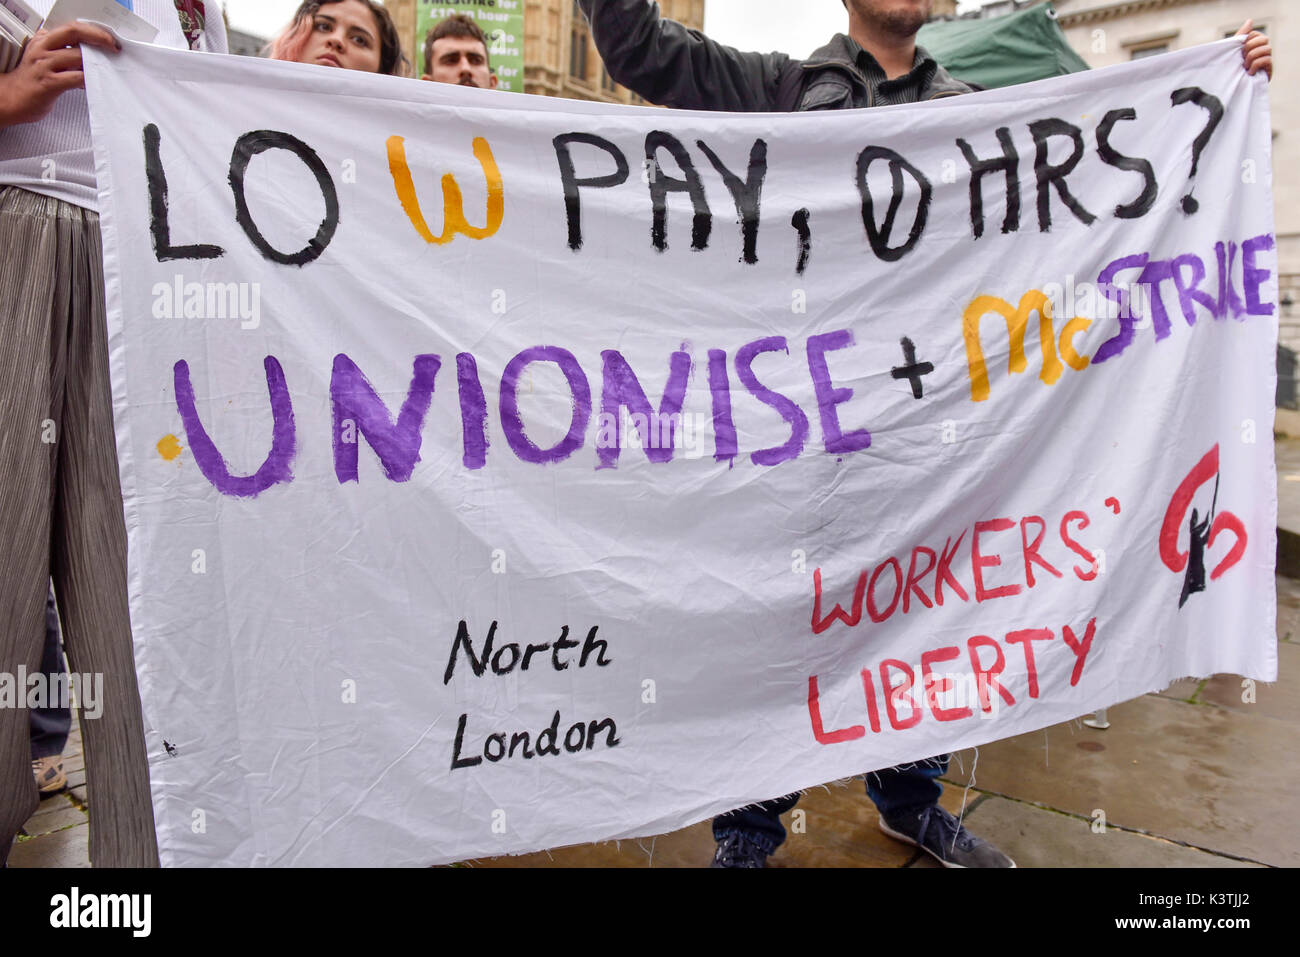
[[56, 834]]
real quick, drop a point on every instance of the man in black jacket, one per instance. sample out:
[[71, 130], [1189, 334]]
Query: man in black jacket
[[877, 64]]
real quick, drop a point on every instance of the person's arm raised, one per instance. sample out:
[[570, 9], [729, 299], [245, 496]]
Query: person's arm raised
[[51, 64], [671, 65]]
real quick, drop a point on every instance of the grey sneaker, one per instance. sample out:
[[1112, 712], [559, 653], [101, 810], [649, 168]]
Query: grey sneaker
[[938, 833], [49, 775], [736, 849]]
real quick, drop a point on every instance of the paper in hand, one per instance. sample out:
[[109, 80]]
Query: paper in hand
[[107, 13]]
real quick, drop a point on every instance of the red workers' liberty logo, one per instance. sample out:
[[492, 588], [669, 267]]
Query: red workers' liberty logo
[[1203, 529]]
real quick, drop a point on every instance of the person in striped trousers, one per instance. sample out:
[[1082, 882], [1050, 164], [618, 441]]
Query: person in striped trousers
[[60, 497]]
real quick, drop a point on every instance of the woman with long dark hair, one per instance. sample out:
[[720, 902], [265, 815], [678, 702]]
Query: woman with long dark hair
[[347, 34]]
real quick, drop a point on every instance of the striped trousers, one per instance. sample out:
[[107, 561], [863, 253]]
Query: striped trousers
[[61, 517]]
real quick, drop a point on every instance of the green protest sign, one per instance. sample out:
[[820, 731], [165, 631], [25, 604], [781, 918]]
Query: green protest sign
[[503, 23]]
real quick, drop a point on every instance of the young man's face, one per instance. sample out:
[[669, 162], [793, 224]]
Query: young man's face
[[899, 17], [461, 60]]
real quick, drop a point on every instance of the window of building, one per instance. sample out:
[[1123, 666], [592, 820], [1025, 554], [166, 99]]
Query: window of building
[[578, 55], [1141, 52], [606, 81], [578, 41]]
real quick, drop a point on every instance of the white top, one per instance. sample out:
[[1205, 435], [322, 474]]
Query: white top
[[53, 156]]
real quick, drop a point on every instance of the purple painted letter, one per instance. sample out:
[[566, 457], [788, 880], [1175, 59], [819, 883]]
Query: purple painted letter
[[783, 404], [274, 470], [1120, 295], [513, 425], [473, 412], [1253, 277], [358, 410], [622, 388], [828, 397], [724, 427]]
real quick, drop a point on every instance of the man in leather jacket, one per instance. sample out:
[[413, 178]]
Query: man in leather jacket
[[671, 65]]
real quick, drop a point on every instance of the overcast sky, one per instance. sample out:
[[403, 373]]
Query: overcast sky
[[749, 24]]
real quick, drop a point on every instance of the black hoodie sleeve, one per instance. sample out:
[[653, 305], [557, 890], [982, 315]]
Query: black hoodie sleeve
[[670, 65]]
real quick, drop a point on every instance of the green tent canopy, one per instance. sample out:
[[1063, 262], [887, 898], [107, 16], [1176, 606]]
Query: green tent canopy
[[1002, 51]]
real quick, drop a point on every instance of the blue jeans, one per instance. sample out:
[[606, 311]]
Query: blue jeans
[[908, 787]]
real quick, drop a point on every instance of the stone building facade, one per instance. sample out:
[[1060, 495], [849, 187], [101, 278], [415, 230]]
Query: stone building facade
[[560, 58]]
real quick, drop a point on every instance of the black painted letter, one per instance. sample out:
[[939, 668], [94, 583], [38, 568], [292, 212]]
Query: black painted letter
[[1049, 175], [748, 195], [1112, 157], [259, 141], [159, 225], [568, 176], [661, 185], [1008, 163], [879, 237]]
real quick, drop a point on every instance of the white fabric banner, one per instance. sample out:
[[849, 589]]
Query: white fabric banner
[[503, 472]]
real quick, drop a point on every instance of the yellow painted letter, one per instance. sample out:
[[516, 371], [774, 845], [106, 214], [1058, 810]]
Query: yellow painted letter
[[1017, 320], [1074, 327], [453, 205]]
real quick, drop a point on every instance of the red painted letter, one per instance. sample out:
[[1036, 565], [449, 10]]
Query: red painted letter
[[986, 678], [1026, 638], [945, 572], [1031, 549], [820, 624], [1075, 547], [913, 579], [877, 615], [869, 690], [979, 562], [1080, 648], [822, 735], [894, 695], [936, 686]]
